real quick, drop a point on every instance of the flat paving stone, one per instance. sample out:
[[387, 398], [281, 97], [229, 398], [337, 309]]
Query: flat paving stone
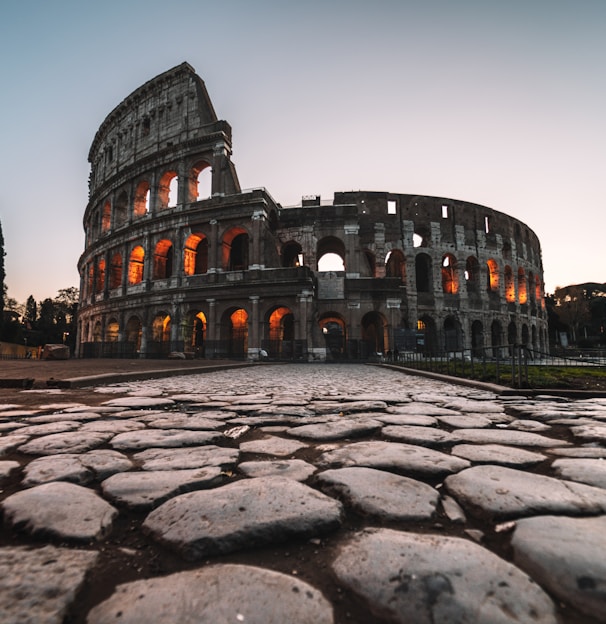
[[62, 510], [497, 454], [424, 436], [591, 433], [9, 443], [163, 438], [49, 428], [7, 467], [589, 471], [38, 585], [273, 445], [429, 579], [112, 426], [336, 429], [232, 593], [296, 469], [187, 458], [147, 489], [139, 402], [566, 556], [407, 419], [70, 442], [251, 512], [381, 494], [393, 456], [463, 421], [500, 492], [184, 421], [509, 437], [579, 451]]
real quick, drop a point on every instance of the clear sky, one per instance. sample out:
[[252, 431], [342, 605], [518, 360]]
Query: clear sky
[[501, 103]]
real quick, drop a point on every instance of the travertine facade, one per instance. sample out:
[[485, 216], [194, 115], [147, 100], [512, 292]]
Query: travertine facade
[[179, 259]]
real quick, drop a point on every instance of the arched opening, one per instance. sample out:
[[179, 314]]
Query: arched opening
[[168, 189], [134, 331], [531, 287], [472, 274], [395, 265], [281, 333], [97, 332], [512, 334], [423, 273], [369, 264], [106, 217], [493, 275], [194, 334], [538, 291], [121, 208], [159, 345], [115, 271], [450, 275], [374, 333], [135, 265], [510, 288], [525, 335], [496, 337], [235, 249], [522, 286], [333, 329], [195, 255], [534, 338], [200, 181], [453, 334], [112, 331], [163, 259], [477, 338], [141, 203], [90, 282], [100, 283], [421, 237], [330, 253], [427, 335], [292, 254], [234, 332]]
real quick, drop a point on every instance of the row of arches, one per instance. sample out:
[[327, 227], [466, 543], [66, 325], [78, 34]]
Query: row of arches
[[146, 196]]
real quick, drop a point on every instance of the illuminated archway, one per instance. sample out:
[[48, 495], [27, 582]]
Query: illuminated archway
[[163, 259], [450, 275], [280, 332], [106, 217], [200, 181], [522, 286], [115, 271], [134, 331], [235, 249], [135, 265], [195, 255], [292, 254], [234, 332], [194, 333], [167, 190], [395, 264], [141, 203], [510, 288], [374, 333], [493, 275], [112, 332], [161, 328], [100, 283]]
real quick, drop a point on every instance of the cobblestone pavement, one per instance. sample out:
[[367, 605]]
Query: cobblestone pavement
[[302, 493]]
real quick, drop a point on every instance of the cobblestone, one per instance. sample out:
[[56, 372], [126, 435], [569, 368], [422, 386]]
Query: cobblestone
[[318, 482]]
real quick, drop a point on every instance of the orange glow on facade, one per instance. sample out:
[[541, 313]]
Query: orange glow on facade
[[135, 267], [510, 288]]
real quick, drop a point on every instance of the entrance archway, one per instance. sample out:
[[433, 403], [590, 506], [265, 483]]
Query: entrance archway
[[374, 333]]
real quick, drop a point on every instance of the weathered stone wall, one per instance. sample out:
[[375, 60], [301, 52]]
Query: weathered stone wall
[[227, 272]]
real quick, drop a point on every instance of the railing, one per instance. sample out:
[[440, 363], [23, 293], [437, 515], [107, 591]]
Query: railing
[[512, 365]]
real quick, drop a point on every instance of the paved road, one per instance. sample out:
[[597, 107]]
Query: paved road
[[310, 493]]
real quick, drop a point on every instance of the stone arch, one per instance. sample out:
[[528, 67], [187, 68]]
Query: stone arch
[[168, 190], [369, 264], [134, 331], [200, 181], [115, 271], [477, 338], [496, 336], [195, 254], [100, 280], [163, 259], [112, 331], [423, 273], [333, 329], [292, 254], [395, 264], [194, 333], [141, 203], [97, 331], [106, 217], [493, 275], [280, 331], [525, 335], [427, 335], [512, 333], [472, 274], [135, 265], [374, 332], [235, 249], [453, 334], [234, 332], [121, 209], [326, 249], [450, 274], [522, 287]]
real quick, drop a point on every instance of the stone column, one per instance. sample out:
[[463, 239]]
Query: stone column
[[211, 329], [254, 343], [257, 233], [352, 260], [214, 248]]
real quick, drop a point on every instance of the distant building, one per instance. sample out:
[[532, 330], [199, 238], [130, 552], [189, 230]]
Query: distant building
[[179, 259]]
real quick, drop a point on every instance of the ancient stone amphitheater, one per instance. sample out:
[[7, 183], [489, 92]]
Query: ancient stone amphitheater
[[179, 259]]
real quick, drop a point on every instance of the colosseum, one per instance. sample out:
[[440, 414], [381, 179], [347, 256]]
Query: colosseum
[[179, 259]]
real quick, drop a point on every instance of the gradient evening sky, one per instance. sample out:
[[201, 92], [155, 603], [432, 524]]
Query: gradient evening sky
[[500, 103]]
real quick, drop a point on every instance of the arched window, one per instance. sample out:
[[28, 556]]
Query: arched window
[[235, 249], [141, 204], [134, 331], [163, 260], [106, 217], [168, 189], [234, 332], [369, 267], [121, 208], [332, 326], [100, 283], [510, 288], [493, 275], [374, 332], [423, 273], [112, 331], [522, 286], [477, 338], [395, 264], [450, 275], [195, 255], [330, 253], [135, 265], [200, 181], [292, 254], [115, 271]]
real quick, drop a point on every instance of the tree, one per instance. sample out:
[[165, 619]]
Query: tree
[[31, 312]]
